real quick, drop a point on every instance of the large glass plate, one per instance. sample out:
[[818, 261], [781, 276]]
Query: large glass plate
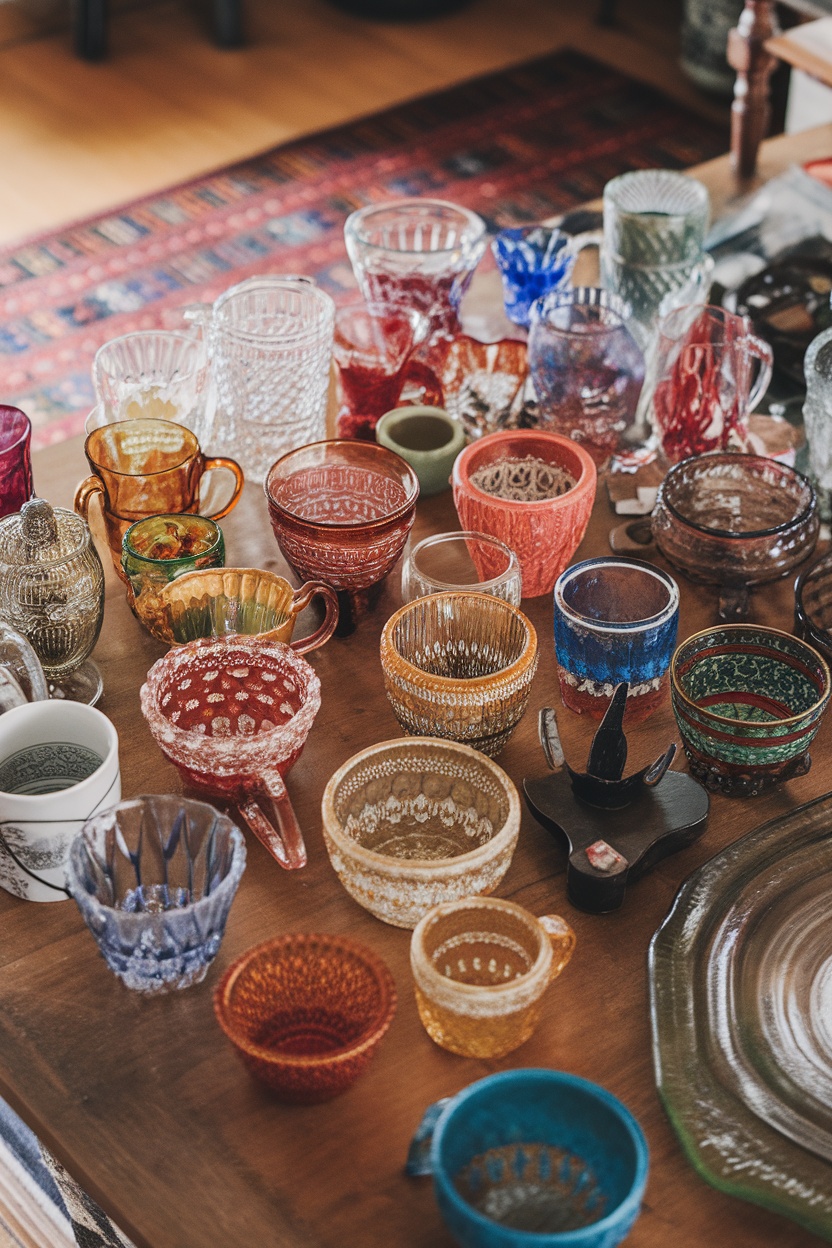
[[741, 1006]]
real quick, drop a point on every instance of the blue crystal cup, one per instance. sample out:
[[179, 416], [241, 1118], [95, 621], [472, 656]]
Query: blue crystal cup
[[533, 1159], [154, 879], [615, 620], [533, 260]]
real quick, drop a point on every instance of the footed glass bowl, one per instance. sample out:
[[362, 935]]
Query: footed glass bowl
[[154, 879], [414, 822]]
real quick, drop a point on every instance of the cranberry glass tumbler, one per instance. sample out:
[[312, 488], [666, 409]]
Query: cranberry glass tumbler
[[16, 486]]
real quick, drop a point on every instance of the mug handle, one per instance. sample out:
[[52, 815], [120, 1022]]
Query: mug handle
[[418, 1153], [84, 495], [562, 940], [220, 461], [302, 598], [284, 842], [765, 355]]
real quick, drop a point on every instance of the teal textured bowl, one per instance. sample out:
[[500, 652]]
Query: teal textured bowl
[[748, 702], [428, 439]]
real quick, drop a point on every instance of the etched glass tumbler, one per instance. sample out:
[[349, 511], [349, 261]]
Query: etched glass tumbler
[[15, 460], [459, 665], [710, 372], [416, 253], [480, 968], [615, 620], [587, 368], [270, 343], [655, 221], [461, 560], [154, 879], [152, 372]]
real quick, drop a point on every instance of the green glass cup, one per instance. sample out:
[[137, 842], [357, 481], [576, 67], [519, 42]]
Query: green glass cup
[[157, 550]]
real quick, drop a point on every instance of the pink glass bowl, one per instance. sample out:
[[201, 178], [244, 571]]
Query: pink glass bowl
[[341, 512], [544, 532], [306, 1013], [233, 716]]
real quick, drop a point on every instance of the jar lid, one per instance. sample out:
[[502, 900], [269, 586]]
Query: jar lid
[[41, 534]]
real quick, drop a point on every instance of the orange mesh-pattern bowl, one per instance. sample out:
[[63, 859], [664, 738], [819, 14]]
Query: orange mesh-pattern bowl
[[306, 1013]]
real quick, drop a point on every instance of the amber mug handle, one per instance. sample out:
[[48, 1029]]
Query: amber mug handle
[[562, 939], [284, 842], [220, 461], [84, 494], [301, 598]]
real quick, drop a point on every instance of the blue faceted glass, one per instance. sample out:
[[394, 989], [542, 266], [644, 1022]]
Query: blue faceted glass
[[533, 260], [154, 879]]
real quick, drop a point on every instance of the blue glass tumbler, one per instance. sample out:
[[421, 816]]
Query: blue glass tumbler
[[533, 259], [615, 619]]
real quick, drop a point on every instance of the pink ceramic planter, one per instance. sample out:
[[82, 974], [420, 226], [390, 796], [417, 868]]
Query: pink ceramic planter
[[543, 533]]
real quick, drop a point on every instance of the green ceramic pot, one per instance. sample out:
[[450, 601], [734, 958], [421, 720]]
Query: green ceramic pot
[[428, 439]]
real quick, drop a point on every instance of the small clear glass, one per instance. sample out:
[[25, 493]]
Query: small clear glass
[[154, 879], [461, 561]]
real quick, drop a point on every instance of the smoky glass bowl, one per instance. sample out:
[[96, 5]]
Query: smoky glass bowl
[[414, 822], [154, 879], [306, 1013], [748, 703], [725, 518], [459, 665], [813, 606]]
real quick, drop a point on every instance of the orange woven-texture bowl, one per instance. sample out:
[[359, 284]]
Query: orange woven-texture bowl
[[306, 1013]]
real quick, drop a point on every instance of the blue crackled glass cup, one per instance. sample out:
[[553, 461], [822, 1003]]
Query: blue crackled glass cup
[[532, 259], [533, 1159], [154, 879], [616, 620]]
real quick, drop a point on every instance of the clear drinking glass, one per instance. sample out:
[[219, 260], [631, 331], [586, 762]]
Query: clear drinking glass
[[587, 368], [461, 560], [152, 372], [655, 221], [416, 253], [270, 343]]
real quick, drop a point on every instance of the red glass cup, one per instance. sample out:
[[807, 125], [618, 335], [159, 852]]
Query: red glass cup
[[341, 512], [709, 372], [506, 485], [373, 351], [16, 487], [233, 715], [306, 1013]]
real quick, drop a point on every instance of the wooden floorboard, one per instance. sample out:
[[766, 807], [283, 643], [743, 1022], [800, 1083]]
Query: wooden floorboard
[[167, 104]]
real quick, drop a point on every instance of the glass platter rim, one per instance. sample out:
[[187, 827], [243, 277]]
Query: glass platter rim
[[772, 1169]]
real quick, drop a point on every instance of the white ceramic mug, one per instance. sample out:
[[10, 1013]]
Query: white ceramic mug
[[58, 766]]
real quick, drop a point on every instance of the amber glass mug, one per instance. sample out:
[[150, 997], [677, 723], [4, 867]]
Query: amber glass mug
[[144, 467]]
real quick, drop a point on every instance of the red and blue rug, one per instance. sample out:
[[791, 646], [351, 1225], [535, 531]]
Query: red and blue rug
[[516, 146]]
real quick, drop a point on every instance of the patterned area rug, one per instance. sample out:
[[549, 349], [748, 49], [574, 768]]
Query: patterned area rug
[[515, 146]]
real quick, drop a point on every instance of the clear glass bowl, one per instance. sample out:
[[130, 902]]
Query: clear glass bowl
[[459, 665], [414, 822], [463, 561], [154, 879]]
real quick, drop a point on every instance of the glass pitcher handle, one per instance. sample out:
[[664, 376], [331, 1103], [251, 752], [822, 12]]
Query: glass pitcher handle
[[763, 352]]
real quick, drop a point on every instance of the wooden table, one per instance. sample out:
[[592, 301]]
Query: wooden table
[[148, 1106]]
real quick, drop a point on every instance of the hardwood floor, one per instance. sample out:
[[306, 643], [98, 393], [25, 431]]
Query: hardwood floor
[[166, 105]]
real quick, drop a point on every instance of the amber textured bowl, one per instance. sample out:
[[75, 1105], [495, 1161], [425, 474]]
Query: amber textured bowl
[[726, 518], [306, 1013], [414, 822], [459, 665]]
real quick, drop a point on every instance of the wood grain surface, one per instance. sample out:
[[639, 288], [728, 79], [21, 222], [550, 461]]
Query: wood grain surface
[[148, 1106]]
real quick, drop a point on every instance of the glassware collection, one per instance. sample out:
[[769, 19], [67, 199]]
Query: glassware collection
[[422, 829]]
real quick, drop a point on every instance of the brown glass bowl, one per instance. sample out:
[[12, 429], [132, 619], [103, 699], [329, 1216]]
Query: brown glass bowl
[[306, 1013], [341, 511], [731, 519], [813, 606]]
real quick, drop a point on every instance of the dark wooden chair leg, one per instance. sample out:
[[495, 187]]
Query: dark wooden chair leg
[[751, 110], [228, 23], [90, 29]]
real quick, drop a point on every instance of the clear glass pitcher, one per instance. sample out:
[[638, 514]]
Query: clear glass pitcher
[[269, 342]]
